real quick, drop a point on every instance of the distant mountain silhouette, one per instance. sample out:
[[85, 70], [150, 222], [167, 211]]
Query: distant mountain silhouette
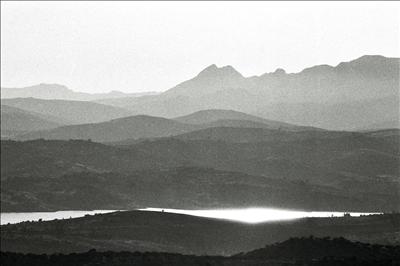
[[60, 92], [315, 96], [211, 80], [15, 121], [353, 95], [352, 115], [68, 112]]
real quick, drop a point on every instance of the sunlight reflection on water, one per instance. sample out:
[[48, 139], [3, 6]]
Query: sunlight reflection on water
[[249, 215], [256, 215], [17, 217]]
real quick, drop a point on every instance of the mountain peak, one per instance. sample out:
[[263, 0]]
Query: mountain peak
[[208, 70], [43, 84], [364, 60], [369, 58], [371, 66], [279, 71], [49, 86], [213, 70]]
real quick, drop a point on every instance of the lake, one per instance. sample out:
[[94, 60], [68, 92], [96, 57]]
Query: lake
[[17, 217], [247, 215]]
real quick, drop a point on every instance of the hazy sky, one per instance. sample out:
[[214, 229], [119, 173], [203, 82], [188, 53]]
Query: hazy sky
[[142, 46]]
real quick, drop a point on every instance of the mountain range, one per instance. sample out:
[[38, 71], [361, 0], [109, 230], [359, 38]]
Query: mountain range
[[60, 92], [357, 95], [211, 137], [348, 96]]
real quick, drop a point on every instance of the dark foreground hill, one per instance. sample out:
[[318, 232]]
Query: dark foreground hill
[[168, 232], [318, 248], [294, 251]]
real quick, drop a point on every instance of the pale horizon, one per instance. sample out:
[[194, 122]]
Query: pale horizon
[[137, 46]]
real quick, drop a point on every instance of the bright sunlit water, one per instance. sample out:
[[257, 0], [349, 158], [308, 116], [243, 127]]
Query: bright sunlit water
[[250, 215], [256, 215], [17, 217]]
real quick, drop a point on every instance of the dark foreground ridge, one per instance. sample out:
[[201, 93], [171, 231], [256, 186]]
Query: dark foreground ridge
[[177, 233], [294, 251]]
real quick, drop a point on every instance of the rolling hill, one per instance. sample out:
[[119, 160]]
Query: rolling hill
[[343, 172], [182, 187], [68, 112], [243, 131], [230, 117], [131, 127], [311, 159], [15, 121]]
